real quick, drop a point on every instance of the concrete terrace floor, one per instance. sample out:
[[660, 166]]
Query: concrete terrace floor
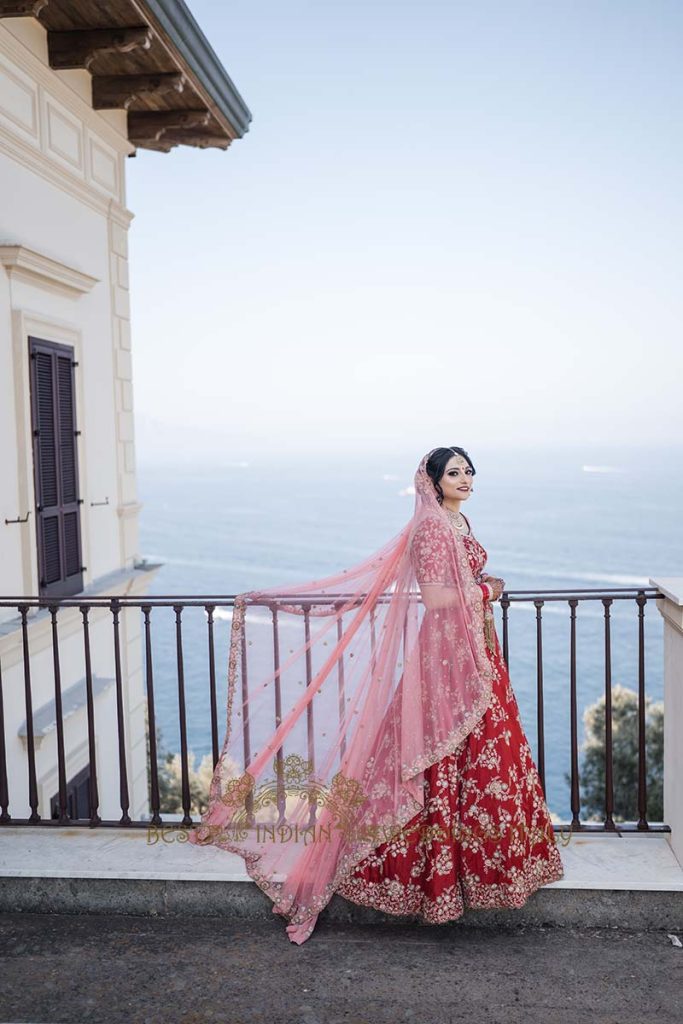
[[69, 969]]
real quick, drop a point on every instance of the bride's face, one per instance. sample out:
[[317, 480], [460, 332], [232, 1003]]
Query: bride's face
[[456, 481]]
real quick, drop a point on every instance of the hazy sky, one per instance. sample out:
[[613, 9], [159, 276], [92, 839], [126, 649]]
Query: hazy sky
[[448, 223]]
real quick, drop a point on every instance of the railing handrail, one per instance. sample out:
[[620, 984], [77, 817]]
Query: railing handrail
[[200, 599]]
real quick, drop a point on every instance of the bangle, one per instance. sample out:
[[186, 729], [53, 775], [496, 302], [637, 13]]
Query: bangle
[[489, 589]]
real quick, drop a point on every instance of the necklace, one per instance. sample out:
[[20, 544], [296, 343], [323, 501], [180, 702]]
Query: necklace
[[456, 518]]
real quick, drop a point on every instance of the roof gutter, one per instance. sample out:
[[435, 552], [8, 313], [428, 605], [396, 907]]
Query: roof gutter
[[174, 20]]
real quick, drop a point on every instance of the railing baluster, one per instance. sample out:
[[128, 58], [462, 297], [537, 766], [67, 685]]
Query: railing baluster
[[185, 775], [115, 606], [540, 738], [505, 605], [151, 720], [575, 795], [63, 816], [310, 727], [310, 733], [28, 704], [210, 609], [281, 797], [642, 764], [246, 738], [609, 759], [340, 684], [373, 640], [4, 787], [93, 795]]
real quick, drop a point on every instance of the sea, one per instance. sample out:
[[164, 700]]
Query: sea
[[549, 518]]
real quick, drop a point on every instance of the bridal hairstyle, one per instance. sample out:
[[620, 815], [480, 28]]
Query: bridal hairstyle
[[341, 692]]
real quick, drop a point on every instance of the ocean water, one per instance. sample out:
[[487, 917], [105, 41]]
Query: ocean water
[[562, 518]]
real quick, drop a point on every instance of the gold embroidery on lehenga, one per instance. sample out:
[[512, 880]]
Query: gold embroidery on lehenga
[[508, 810]]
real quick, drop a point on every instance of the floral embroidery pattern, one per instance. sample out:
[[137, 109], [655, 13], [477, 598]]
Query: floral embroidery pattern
[[435, 859], [484, 838], [430, 552]]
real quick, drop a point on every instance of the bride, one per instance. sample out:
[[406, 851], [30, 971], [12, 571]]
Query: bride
[[379, 701]]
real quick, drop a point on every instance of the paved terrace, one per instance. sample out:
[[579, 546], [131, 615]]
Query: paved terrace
[[115, 928], [118, 970]]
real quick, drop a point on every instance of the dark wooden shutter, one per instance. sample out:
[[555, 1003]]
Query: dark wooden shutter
[[55, 464]]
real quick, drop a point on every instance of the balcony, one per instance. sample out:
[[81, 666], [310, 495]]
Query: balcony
[[88, 825]]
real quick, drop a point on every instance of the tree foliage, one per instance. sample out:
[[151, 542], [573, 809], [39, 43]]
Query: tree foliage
[[169, 769], [624, 757]]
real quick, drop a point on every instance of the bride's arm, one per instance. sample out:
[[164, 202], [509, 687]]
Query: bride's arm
[[430, 552]]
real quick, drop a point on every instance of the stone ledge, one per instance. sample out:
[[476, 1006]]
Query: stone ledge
[[591, 862], [170, 898], [631, 882]]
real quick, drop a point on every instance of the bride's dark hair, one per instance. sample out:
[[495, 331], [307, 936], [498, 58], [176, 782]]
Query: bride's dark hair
[[437, 462]]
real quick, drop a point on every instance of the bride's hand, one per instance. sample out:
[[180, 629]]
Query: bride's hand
[[497, 585]]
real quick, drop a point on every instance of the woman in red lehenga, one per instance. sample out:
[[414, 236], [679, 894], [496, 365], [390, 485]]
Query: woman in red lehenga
[[484, 838], [402, 776]]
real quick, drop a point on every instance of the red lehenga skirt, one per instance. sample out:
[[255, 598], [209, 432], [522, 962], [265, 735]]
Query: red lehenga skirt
[[484, 838]]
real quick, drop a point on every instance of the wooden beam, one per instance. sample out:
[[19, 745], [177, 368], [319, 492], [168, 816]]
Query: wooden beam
[[80, 47], [149, 126], [111, 92], [21, 8], [191, 137], [159, 145]]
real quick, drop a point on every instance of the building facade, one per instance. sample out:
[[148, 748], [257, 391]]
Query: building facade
[[83, 85]]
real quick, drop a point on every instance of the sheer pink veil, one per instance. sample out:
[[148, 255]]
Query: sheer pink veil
[[341, 691]]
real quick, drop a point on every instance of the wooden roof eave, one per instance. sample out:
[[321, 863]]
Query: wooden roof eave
[[148, 57], [174, 21]]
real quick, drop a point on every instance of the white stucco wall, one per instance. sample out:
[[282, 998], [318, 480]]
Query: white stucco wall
[[62, 203], [62, 178]]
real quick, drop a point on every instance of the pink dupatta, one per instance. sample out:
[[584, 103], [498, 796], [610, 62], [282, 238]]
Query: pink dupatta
[[341, 691]]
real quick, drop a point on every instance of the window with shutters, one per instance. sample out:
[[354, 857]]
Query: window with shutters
[[55, 467]]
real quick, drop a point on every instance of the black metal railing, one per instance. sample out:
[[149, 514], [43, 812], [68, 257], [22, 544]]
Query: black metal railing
[[573, 598], [50, 608]]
